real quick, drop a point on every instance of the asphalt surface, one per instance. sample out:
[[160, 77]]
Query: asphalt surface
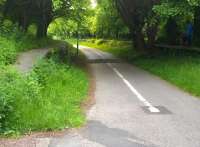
[[134, 109]]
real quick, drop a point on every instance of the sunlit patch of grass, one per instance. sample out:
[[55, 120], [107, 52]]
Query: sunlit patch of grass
[[183, 71]]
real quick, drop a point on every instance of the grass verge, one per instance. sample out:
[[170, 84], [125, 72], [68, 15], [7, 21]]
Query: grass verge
[[182, 71], [48, 98]]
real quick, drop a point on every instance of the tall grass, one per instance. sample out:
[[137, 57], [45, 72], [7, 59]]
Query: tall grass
[[183, 71], [48, 98]]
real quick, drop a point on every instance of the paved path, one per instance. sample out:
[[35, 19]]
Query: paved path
[[134, 109], [26, 60]]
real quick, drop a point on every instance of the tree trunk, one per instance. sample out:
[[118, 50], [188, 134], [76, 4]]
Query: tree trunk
[[44, 18], [138, 41], [42, 26], [24, 22], [197, 26], [42, 30], [151, 35]]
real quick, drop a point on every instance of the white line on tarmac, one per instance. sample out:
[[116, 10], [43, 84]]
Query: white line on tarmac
[[151, 108], [139, 96]]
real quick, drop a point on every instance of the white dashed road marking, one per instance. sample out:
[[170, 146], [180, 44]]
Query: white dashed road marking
[[131, 87], [151, 108]]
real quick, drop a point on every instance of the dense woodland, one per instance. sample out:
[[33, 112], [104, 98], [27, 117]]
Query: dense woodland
[[142, 21]]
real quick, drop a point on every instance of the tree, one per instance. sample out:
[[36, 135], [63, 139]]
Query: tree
[[181, 11], [43, 16], [40, 12], [134, 13], [108, 21]]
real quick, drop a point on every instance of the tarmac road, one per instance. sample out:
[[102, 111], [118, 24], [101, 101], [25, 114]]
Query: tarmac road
[[134, 109]]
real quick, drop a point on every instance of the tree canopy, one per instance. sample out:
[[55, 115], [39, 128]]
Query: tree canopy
[[146, 21]]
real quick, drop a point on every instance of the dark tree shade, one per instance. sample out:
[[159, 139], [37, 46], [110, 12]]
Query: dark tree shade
[[197, 26], [40, 12], [134, 13]]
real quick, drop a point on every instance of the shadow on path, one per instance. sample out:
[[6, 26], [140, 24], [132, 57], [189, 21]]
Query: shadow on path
[[112, 137]]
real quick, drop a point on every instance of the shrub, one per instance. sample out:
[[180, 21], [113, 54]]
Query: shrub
[[16, 93], [13, 41], [47, 98], [100, 41], [7, 51]]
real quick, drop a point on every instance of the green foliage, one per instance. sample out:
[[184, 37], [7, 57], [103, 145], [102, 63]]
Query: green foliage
[[7, 51], [16, 93], [48, 98], [181, 11], [108, 23], [100, 41], [183, 71], [39, 12], [64, 27], [13, 41], [173, 9]]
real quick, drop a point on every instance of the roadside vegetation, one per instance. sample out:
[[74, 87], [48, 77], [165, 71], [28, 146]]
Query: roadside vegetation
[[181, 70], [13, 41], [50, 96], [47, 98]]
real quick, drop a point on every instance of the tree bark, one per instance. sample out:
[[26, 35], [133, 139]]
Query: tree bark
[[197, 26], [42, 28], [44, 18], [151, 35]]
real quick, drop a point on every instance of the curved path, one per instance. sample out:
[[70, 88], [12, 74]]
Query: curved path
[[26, 60], [134, 109]]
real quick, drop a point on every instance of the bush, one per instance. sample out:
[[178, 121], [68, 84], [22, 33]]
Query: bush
[[64, 90], [48, 98], [13, 41], [16, 93], [7, 51]]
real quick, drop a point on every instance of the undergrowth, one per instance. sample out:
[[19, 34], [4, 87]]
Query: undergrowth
[[48, 98], [13, 41]]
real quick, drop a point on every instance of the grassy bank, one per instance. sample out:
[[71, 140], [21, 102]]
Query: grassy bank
[[48, 98], [182, 70]]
